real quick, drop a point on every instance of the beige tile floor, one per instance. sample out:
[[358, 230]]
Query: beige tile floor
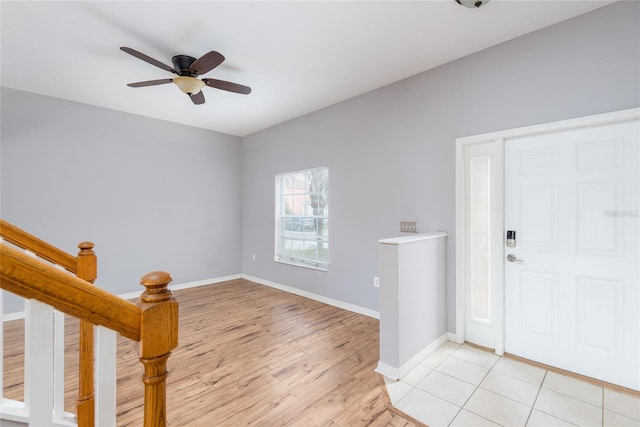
[[460, 385]]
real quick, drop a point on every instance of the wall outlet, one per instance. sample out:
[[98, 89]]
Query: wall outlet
[[408, 226], [253, 257], [376, 282]]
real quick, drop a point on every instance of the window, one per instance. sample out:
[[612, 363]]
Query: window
[[479, 224], [302, 218]]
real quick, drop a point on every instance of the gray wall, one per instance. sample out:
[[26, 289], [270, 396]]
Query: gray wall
[[391, 152], [155, 195], [152, 195], [413, 300]]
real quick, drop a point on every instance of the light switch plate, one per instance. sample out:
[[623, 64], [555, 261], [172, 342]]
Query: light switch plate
[[408, 226]]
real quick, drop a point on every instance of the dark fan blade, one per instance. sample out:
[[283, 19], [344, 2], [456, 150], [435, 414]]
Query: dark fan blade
[[207, 62], [231, 87], [197, 98], [150, 83], [148, 59]]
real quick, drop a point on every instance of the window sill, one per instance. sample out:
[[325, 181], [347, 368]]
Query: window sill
[[302, 265]]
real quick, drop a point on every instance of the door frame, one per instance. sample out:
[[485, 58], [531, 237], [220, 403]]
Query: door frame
[[497, 210]]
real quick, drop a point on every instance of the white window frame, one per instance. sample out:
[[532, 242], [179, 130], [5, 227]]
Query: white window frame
[[296, 222]]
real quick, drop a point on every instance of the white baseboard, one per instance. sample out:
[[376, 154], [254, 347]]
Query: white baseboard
[[454, 338], [326, 300], [320, 298], [387, 370], [133, 295], [400, 372], [205, 282], [423, 354]]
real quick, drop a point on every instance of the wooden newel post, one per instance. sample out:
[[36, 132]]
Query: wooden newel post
[[158, 336], [85, 405]]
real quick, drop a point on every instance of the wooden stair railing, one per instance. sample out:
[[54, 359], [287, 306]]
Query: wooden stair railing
[[44, 250], [85, 267], [85, 402], [152, 321]]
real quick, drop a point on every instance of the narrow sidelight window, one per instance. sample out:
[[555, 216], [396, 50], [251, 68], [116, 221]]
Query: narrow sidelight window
[[480, 238]]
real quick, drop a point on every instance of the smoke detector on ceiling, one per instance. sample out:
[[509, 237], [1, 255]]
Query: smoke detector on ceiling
[[472, 3]]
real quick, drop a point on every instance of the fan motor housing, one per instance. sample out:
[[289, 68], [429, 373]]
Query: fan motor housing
[[181, 63], [472, 3]]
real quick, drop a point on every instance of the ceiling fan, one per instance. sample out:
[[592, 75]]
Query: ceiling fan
[[188, 69]]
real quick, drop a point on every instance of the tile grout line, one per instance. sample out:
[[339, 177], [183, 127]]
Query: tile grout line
[[477, 386], [413, 387], [566, 395], [602, 419], [434, 370], [447, 356], [465, 402], [603, 387], [533, 405], [461, 406]]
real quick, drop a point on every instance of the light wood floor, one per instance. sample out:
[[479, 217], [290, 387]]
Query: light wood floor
[[248, 355]]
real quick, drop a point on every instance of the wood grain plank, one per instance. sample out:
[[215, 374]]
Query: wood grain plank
[[250, 355]]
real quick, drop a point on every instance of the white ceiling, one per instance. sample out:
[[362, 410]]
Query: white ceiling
[[297, 56]]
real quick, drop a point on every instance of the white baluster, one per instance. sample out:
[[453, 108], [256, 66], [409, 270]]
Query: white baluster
[[58, 367], [105, 377], [38, 381], [10, 410]]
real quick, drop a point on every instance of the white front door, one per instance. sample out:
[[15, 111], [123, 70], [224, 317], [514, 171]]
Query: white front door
[[572, 296]]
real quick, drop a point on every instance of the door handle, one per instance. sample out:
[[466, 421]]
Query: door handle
[[512, 258]]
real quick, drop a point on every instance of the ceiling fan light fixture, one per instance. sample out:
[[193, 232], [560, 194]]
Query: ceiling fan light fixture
[[189, 85], [187, 69], [472, 3]]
